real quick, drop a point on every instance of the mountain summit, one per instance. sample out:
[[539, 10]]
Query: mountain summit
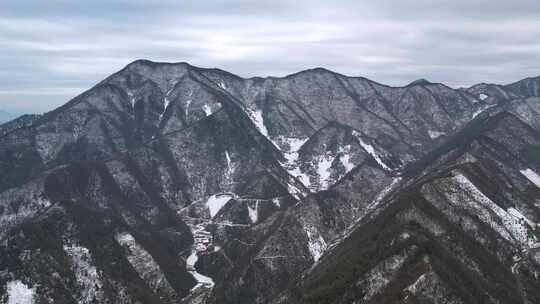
[[169, 183]]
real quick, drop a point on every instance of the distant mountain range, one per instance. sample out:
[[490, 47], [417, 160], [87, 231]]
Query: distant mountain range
[[169, 183], [6, 116]]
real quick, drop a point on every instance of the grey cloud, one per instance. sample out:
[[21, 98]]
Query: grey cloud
[[51, 51]]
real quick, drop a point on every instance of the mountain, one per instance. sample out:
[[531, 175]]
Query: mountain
[[169, 183], [18, 123]]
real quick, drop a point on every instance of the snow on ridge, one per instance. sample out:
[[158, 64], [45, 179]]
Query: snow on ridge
[[316, 243], [296, 172], [479, 111], [256, 117], [380, 196], [295, 192], [293, 146], [85, 272], [531, 176], [514, 212], [20, 293], [513, 229], [414, 287], [370, 150], [378, 277], [369, 208], [295, 143], [258, 120], [143, 263], [217, 201]]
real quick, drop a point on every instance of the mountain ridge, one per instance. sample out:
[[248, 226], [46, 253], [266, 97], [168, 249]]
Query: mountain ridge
[[205, 187]]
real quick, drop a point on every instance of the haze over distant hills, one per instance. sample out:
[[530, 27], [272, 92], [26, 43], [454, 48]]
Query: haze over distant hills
[[170, 183], [6, 116]]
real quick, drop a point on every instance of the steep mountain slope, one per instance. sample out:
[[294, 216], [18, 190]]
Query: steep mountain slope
[[169, 183], [461, 230]]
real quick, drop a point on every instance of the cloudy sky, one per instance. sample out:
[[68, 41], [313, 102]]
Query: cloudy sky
[[50, 51]]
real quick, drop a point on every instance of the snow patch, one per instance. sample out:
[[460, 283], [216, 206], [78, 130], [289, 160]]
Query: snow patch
[[188, 103], [216, 202], [346, 158], [290, 147], [257, 118], [316, 243], [19, 293], [482, 110], [86, 273], [515, 213], [294, 143], [202, 280], [207, 110], [302, 177], [405, 235], [483, 96], [370, 150], [228, 157], [253, 212], [323, 170], [290, 152], [230, 168], [222, 85], [531, 176], [294, 191], [192, 259], [414, 287], [513, 229], [435, 134], [165, 106], [323, 167]]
